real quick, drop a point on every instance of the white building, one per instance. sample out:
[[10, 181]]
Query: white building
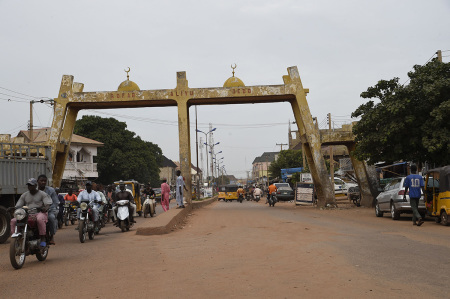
[[80, 161]]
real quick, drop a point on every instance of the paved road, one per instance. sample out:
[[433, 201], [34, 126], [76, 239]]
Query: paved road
[[245, 250]]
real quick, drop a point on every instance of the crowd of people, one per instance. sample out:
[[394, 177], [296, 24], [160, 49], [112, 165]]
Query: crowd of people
[[49, 202]]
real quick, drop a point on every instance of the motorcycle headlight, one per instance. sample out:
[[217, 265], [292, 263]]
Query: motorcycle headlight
[[19, 214], [83, 206]]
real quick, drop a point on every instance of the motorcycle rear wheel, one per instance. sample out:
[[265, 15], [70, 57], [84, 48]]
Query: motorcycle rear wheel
[[41, 256], [122, 226], [66, 221], [17, 260], [82, 231]]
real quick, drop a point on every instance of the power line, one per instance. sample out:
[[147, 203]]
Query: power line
[[18, 101], [21, 93]]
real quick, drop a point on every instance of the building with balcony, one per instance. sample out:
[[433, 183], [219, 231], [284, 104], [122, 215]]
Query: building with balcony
[[80, 161]]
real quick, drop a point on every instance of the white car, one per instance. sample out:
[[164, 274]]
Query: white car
[[341, 187]]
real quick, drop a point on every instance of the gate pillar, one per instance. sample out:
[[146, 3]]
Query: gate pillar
[[182, 90], [310, 139]]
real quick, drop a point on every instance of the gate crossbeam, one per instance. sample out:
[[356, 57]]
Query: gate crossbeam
[[71, 99]]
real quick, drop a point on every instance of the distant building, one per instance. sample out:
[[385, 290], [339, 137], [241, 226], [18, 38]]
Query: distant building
[[167, 170], [260, 166], [80, 161]]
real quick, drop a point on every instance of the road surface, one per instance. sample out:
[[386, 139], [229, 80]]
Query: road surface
[[248, 250]]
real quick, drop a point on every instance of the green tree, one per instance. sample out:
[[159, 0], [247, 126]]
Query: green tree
[[286, 159], [409, 123], [124, 155]]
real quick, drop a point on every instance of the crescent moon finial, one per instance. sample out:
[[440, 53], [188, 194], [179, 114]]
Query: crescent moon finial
[[233, 68], [128, 76]]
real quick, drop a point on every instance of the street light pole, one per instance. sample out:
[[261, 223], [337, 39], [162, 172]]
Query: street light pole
[[206, 139]]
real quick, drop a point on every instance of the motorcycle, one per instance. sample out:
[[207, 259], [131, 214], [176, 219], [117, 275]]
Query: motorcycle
[[123, 215], [70, 212], [241, 197], [102, 215], [86, 223], [247, 196], [149, 206], [257, 198], [272, 199], [26, 239]]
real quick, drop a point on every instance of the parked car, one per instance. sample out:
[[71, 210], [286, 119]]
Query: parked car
[[284, 192], [390, 200], [341, 187]]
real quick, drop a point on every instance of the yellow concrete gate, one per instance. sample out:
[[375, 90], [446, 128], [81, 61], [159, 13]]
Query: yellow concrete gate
[[72, 99]]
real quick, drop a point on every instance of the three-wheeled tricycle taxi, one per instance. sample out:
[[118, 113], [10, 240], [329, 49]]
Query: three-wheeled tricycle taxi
[[228, 192], [437, 194]]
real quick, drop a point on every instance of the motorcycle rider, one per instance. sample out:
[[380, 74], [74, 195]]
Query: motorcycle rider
[[125, 195], [240, 191], [70, 196], [257, 191], [92, 196], [61, 204], [34, 198], [272, 188], [147, 192], [54, 208]]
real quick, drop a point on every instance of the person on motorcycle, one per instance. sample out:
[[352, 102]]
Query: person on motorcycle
[[93, 198], [61, 204], [70, 196], [272, 188], [257, 191], [147, 192], [125, 195], [240, 191], [35, 198], [54, 208]]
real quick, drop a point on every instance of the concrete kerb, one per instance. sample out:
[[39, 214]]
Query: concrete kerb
[[168, 221]]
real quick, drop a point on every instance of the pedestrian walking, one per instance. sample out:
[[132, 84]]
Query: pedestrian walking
[[165, 195], [179, 190], [414, 182]]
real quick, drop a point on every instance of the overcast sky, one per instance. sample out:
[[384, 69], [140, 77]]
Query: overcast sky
[[340, 48]]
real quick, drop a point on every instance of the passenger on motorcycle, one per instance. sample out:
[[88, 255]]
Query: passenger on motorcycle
[[93, 198], [272, 188], [125, 195], [34, 198], [54, 208]]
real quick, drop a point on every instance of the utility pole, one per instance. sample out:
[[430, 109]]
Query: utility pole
[[331, 154], [439, 55], [281, 144], [196, 152], [31, 121]]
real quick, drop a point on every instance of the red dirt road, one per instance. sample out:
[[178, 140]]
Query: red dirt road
[[248, 250]]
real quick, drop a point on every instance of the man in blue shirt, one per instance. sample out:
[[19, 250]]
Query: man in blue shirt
[[414, 183]]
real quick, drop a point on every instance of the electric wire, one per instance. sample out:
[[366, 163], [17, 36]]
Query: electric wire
[[27, 95], [17, 101]]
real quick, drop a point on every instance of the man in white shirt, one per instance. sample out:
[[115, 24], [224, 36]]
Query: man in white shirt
[[92, 197], [179, 190]]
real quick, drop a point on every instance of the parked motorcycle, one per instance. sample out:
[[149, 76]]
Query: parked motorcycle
[[70, 212], [26, 239], [123, 215], [86, 223], [272, 199], [149, 206]]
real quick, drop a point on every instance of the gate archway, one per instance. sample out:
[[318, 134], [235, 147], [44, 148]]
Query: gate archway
[[71, 99]]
